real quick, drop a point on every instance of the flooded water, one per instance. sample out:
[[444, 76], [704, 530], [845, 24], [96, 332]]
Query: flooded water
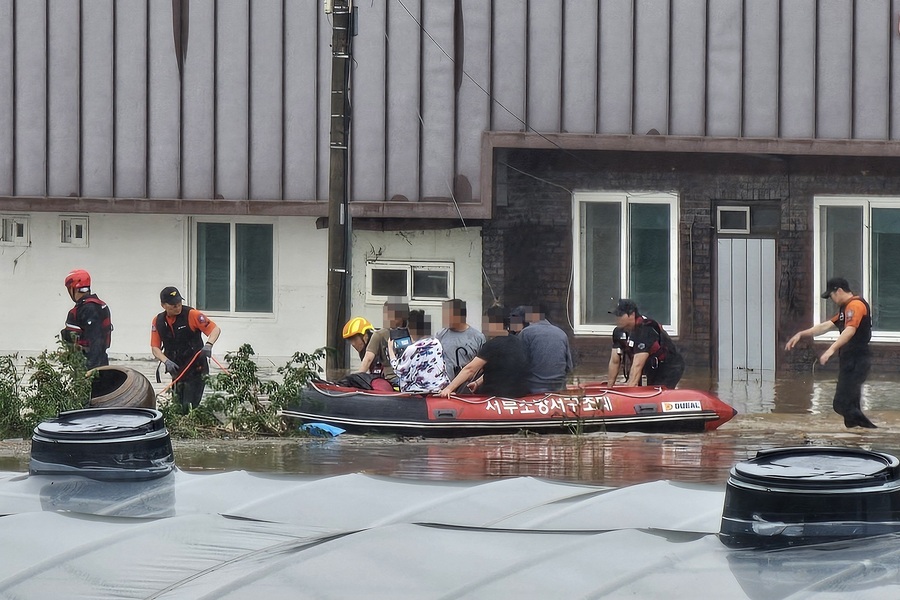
[[789, 411]]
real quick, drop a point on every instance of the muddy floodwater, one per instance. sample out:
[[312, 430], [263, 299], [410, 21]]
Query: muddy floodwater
[[790, 411]]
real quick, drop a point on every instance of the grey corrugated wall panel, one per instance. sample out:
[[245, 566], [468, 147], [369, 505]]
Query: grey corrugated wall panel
[[724, 85], [798, 70], [97, 98], [368, 100], [232, 98], [579, 101], [164, 111], [687, 95], [31, 99], [62, 131], [403, 98], [834, 96], [323, 155], [510, 25], [438, 102], [893, 72], [131, 98], [473, 106], [544, 76], [616, 68], [253, 120], [266, 99], [760, 96], [7, 118], [872, 57], [198, 123], [301, 88], [651, 66]]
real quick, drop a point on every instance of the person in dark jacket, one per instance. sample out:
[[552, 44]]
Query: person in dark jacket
[[645, 348], [854, 322], [176, 341], [501, 361], [88, 324]]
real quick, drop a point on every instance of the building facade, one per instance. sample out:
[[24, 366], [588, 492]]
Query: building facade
[[716, 160]]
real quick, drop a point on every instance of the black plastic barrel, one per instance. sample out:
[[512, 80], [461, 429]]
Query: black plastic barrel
[[806, 495], [103, 443]]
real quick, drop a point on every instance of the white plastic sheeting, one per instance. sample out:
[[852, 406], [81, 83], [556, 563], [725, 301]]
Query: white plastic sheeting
[[238, 535]]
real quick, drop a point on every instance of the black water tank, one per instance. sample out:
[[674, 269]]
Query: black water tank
[[103, 443], [805, 495]]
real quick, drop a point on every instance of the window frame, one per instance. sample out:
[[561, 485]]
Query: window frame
[[624, 199], [867, 203], [70, 222], [195, 275], [410, 266], [14, 240]]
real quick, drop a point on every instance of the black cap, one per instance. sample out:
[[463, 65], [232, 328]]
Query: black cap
[[170, 295], [624, 307], [834, 284]]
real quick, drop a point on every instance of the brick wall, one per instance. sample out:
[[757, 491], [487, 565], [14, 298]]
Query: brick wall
[[528, 243]]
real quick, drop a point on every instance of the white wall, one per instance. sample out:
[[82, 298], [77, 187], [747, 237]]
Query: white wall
[[460, 246], [131, 258]]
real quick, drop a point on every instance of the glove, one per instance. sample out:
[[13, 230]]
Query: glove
[[171, 367], [207, 350]]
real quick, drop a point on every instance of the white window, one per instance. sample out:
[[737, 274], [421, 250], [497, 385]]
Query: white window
[[235, 267], [733, 219], [421, 282], [14, 230], [73, 231], [626, 246], [858, 238]]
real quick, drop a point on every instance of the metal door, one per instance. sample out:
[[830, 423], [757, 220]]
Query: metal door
[[746, 309]]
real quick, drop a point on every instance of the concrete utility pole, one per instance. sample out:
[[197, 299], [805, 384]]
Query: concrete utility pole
[[338, 207]]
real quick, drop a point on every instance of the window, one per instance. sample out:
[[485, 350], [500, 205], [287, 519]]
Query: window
[[422, 282], [859, 239], [626, 246], [235, 267], [733, 219], [73, 231], [14, 230]]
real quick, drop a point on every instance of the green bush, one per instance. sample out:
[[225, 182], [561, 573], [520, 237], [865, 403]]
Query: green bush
[[57, 381], [240, 401]]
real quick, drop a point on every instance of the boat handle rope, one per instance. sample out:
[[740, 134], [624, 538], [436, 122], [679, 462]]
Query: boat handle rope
[[185, 370]]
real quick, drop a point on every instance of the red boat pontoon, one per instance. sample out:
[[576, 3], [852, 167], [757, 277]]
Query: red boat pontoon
[[584, 408]]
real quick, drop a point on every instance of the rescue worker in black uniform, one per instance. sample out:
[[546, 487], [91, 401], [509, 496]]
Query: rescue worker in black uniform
[[176, 341], [89, 323], [645, 348], [854, 322]]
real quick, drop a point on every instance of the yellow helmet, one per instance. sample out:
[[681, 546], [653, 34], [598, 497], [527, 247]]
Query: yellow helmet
[[357, 326]]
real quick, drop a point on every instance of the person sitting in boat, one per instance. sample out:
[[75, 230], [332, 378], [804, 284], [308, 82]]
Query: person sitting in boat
[[549, 356], [376, 356], [459, 340], [501, 361], [358, 332], [421, 367], [646, 345]]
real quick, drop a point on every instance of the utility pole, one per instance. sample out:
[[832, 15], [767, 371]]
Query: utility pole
[[338, 206]]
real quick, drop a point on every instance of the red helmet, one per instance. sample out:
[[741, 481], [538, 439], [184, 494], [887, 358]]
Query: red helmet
[[78, 279]]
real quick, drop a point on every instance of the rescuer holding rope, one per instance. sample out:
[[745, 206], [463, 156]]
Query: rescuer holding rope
[[176, 341]]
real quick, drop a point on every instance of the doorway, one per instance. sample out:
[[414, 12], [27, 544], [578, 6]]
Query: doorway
[[746, 309]]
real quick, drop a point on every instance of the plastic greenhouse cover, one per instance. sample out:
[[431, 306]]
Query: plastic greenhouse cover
[[239, 535]]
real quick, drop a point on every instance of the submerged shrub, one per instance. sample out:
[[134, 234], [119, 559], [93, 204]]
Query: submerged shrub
[[52, 382]]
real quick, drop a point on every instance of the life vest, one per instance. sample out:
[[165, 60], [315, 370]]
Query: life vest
[[75, 333], [664, 346], [863, 333], [181, 343]]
